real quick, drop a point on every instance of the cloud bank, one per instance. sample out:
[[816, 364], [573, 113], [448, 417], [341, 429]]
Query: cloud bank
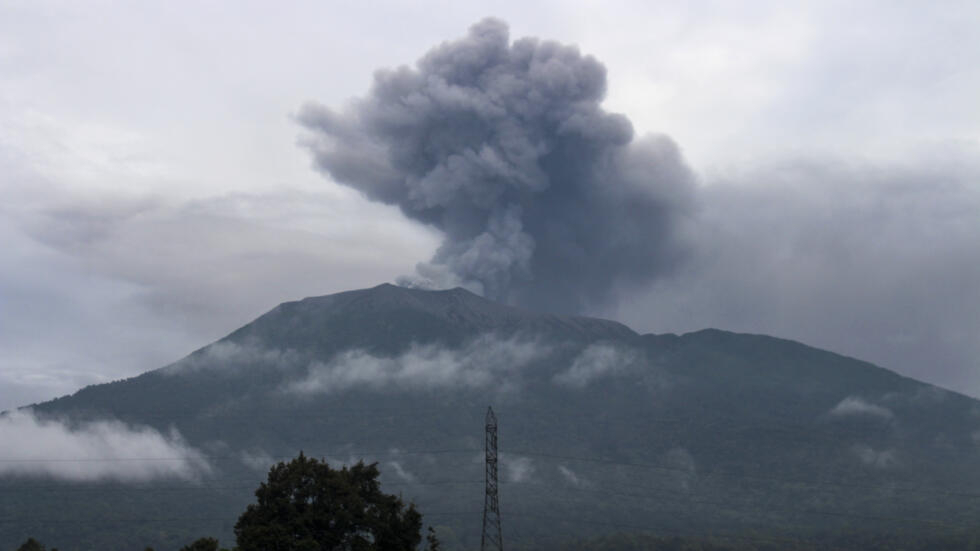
[[231, 355], [570, 476], [597, 360], [857, 406], [96, 287], [873, 260], [478, 363], [517, 468], [93, 451], [543, 198], [881, 459]]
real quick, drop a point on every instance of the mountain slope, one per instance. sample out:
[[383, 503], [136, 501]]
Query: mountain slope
[[601, 429]]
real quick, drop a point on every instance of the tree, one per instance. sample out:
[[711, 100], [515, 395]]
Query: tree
[[202, 544], [432, 543], [307, 506], [31, 545]]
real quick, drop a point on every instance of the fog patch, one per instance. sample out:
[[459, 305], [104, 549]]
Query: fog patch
[[354, 456], [477, 364], [856, 406], [875, 458], [929, 395], [596, 361], [570, 476], [517, 468], [924, 396], [233, 355], [401, 472], [681, 463], [257, 460], [92, 451]]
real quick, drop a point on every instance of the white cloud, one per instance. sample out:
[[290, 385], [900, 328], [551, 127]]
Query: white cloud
[[596, 361], [257, 459], [570, 475], [105, 286], [875, 458], [744, 82], [855, 405], [230, 355], [479, 363], [517, 468], [96, 450], [873, 260], [401, 471]]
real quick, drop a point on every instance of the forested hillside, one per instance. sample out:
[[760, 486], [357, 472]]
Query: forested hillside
[[738, 441]]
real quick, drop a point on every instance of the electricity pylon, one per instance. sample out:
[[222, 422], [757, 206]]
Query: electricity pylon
[[491, 540]]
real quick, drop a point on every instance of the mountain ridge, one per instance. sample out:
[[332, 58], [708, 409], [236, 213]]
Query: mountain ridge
[[726, 423], [463, 312]]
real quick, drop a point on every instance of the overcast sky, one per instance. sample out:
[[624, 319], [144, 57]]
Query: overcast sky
[[155, 198]]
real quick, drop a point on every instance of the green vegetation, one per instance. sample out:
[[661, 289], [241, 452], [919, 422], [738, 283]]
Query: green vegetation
[[307, 506], [32, 545], [202, 544], [710, 433], [758, 542]]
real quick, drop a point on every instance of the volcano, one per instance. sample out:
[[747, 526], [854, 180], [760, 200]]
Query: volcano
[[602, 430]]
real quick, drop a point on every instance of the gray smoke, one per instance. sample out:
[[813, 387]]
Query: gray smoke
[[543, 197]]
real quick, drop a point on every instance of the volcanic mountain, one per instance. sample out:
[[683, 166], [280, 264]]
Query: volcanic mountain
[[602, 430]]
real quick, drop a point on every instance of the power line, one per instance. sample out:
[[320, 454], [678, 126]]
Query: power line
[[246, 484], [654, 466], [654, 494], [190, 457], [724, 474], [839, 427], [171, 519], [658, 531], [650, 493]]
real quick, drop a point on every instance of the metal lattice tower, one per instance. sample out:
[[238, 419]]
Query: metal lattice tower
[[491, 540]]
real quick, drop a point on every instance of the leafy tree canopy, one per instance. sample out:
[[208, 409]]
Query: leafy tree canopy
[[202, 544], [31, 545], [307, 506]]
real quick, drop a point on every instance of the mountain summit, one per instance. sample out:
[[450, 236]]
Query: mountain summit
[[601, 429], [397, 314]]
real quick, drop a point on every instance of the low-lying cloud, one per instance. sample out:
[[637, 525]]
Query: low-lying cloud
[[596, 361], [478, 363], [871, 457], [401, 471], [94, 451], [570, 476], [257, 459], [517, 468], [856, 406], [235, 355]]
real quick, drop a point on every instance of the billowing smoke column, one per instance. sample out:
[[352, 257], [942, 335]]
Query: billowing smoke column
[[544, 198]]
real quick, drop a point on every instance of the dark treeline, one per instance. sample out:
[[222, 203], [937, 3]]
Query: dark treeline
[[758, 542], [650, 542]]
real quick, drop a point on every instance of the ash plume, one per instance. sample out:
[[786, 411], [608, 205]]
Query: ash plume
[[544, 198]]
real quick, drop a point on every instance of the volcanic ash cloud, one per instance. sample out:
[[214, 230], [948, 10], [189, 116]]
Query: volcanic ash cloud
[[543, 197]]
